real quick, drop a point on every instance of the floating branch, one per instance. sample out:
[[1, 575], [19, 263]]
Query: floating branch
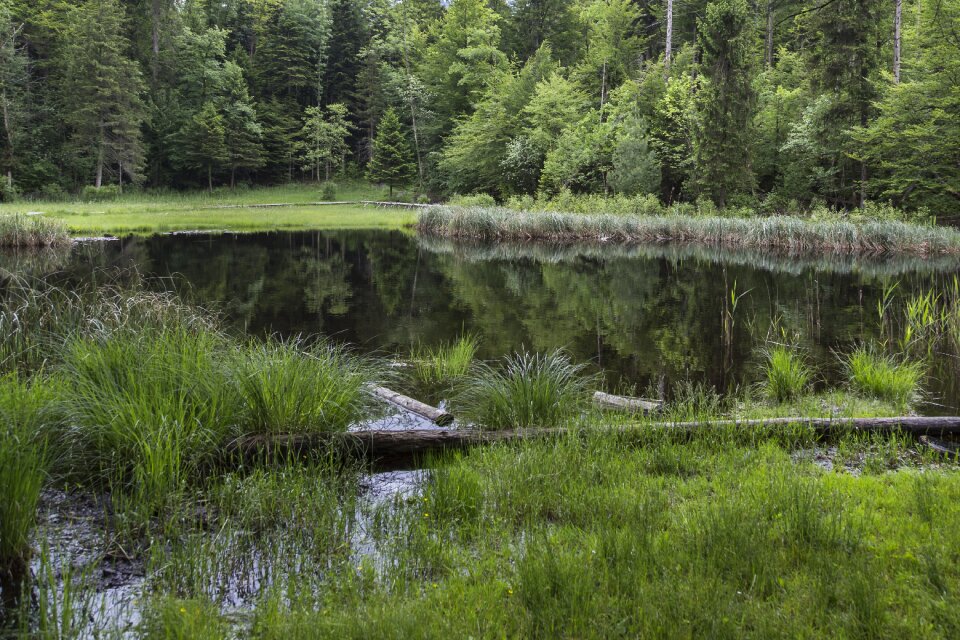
[[435, 415], [623, 403]]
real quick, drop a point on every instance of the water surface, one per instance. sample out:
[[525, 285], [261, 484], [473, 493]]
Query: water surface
[[647, 317]]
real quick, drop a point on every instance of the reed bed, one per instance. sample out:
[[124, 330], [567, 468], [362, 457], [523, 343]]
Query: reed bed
[[32, 232], [784, 234]]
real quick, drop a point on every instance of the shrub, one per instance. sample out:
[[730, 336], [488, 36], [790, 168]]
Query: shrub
[[328, 191], [529, 391], [787, 376], [104, 193], [476, 200], [883, 377]]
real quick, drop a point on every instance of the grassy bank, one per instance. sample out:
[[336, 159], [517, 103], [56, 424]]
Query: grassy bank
[[234, 210], [125, 397], [32, 232], [772, 233]]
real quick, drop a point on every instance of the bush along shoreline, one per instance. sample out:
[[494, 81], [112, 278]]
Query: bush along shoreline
[[779, 234]]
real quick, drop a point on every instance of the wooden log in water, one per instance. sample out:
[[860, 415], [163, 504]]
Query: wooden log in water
[[623, 403], [947, 448], [435, 415], [408, 444]]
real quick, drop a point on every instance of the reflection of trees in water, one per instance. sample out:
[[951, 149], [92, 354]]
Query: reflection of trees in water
[[640, 318]]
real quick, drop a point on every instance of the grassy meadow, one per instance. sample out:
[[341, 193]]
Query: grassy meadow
[[226, 209]]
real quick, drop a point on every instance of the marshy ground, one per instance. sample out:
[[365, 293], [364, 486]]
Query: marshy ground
[[121, 516]]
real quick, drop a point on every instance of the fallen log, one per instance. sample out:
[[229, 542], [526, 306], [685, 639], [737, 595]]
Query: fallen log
[[395, 446], [949, 449], [623, 403], [435, 415]]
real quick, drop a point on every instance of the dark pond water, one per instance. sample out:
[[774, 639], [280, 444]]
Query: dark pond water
[[647, 317]]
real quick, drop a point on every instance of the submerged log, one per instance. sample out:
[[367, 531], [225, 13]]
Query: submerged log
[[947, 448], [623, 403], [393, 446], [437, 416]]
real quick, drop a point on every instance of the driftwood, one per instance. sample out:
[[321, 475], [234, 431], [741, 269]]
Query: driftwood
[[437, 416], [402, 447], [623, 403]]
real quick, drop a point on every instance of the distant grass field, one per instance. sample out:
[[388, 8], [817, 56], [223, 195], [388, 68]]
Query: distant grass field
[[160, 212]]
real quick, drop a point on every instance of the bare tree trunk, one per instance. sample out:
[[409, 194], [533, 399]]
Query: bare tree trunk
[[120, 175], [769, 42], [210, 177], [668, 54], [99, 180], [7, 130], [155, 36], [896, 41]]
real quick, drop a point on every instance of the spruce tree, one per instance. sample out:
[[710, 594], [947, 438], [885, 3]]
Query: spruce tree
[[100, 91], [201, 143], [392, 162], [245, 150], [725, 101]]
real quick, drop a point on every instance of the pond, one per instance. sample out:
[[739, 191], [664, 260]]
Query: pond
[[647, 318]]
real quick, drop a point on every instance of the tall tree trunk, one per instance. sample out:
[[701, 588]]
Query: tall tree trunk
[[233, 177], [99, 180], [210, 177], [9, 133], [155, 36], [120, 175], [896, 40], [769, 41], [668, 53]]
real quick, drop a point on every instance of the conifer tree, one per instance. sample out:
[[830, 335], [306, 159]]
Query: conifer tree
[[725, 101], [392, 162], [202, 144], [245, 150], [100, 91], [323, 139]]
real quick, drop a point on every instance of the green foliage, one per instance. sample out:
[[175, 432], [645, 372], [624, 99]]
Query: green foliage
[[724, 101], [104, 193], [24, 412], [529, 390], [636, 166], [323, 139], [884, 377], [786, 374], [392, 162]]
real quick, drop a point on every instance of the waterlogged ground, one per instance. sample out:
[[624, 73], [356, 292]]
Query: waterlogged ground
[[647, 317], [769, 533]]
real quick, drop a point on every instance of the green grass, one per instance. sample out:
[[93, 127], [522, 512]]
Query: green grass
[[32, 232], [884, 377], [292, 387], [772, 233], [786, 374], [436, 371], [528, 390], [164, 212], [23, 465]]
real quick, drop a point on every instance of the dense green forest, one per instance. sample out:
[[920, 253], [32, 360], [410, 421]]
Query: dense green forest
[[770, 104]]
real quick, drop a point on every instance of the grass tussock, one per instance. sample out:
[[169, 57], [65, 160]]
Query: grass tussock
[[24, 409], [292, 387], [528, 390], [786, 374], [884, 377], [442, 369], [32, 232], [773, 233]]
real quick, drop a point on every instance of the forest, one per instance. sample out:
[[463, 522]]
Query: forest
[[778, 105]]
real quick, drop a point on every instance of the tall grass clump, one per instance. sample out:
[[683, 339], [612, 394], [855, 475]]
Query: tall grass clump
[[442, 367], [23, 468], [784, 234], [145, 408], [883, 376], [529, 390], [786, 374], [32, 232], [292, 387]]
